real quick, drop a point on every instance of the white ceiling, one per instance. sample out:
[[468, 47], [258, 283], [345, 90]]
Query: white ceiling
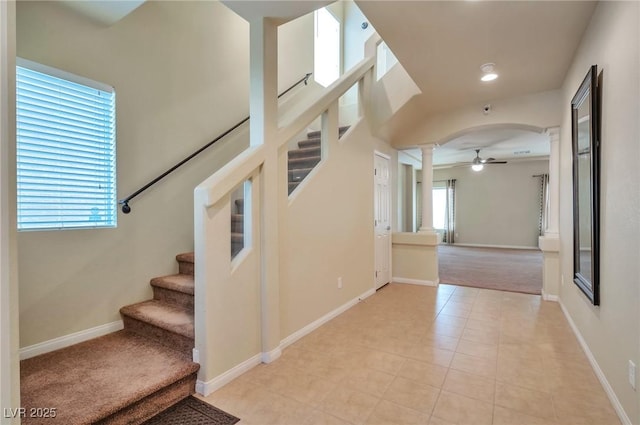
[[509, 144], [442, 45]]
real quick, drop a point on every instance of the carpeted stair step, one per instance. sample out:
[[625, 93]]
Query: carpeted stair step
[[237, 223], [175, 289], [292, 186], [120, 378], [165, 323], [316, 134], [313, 151], [237, 243], [296, 176], [301, 163], [185, 263], [240, 206], [310, 143]]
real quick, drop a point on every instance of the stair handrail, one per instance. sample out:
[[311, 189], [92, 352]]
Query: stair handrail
[[235, 171], [126, 209]]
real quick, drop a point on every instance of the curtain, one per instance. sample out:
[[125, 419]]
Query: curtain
[[418, 205], [449, 234], [544, 203], [449, 212]]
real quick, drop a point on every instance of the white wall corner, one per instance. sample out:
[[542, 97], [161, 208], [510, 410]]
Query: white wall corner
[[550, 297], [68, 340], [549, 243], [205, 388], [622, 415]]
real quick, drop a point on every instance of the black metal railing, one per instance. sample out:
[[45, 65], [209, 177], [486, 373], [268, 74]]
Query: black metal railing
[[125, 202]]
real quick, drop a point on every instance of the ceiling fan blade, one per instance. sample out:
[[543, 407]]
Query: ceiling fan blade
[[496, 162], [488, 160]]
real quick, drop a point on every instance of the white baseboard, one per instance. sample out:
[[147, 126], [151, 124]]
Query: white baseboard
[[596, 368], [71, 339], [549, 297], [416, 281], [475, 245], [324, 319], [270, 356], [206, 388]]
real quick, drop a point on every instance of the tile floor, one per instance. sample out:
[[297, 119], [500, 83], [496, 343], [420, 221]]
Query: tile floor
[[420, 355]]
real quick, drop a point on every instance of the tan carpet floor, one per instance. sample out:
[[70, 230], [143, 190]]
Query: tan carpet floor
[[515, 270]]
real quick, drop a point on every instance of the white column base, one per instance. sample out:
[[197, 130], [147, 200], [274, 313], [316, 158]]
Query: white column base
[[415, 257], [550, 246]]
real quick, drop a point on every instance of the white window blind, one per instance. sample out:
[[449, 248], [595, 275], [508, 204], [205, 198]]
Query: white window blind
[[65, 152]]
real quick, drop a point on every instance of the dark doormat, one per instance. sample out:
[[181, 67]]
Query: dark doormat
[[192, 411]]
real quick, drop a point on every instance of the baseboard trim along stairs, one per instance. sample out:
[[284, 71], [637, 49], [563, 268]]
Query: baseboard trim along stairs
[[124, 377], [68, 340]]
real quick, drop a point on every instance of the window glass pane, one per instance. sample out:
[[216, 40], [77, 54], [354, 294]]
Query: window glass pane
[[439, 208], [65, 153], [326, 48]]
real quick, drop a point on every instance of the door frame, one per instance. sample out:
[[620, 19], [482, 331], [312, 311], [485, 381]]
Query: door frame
[[9, 332], [388, 158]]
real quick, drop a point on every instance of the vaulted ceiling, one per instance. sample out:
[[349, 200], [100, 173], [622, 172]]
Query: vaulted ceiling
[[442, 45]]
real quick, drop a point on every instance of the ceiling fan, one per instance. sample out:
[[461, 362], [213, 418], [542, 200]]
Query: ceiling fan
[[478, 163]]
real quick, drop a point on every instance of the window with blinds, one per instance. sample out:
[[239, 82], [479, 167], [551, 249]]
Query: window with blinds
[[65, 150]]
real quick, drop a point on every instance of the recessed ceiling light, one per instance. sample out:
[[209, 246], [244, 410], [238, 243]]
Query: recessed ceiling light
[[488, 72]]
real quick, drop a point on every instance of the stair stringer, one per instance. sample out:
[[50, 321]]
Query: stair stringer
[[237, 312]]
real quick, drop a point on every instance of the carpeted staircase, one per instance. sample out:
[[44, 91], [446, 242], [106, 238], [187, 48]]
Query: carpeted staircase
[[237, 228], [302, 160], [131, 375], [125, 377]]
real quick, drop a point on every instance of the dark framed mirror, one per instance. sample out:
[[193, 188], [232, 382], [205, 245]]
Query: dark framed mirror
[[585, 120]]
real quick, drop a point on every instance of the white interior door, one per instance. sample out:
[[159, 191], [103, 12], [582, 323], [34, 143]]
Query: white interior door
[[382, 219]]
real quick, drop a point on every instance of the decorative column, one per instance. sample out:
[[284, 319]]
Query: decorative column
[[415, 255], [550, 243], [554, 183], [263, 109], [427, 189]]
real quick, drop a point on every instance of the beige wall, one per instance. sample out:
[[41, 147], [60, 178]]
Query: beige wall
[[612, 330], [498, 205], [181, 75]]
